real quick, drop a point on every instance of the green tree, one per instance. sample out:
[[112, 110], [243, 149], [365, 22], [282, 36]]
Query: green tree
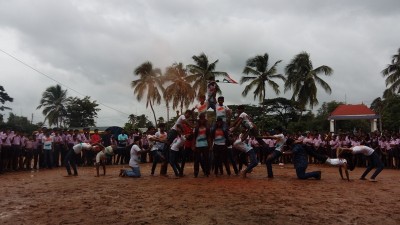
[[260, 75], [53, 102], [302, 79], [202, 72], [284, 110], [132, 119], [4, 97], [327, 108], [160, 120], [142, 122], [179, 91], [390, 113], [20, 123], [392, 74], [378, 105], [81, 112], [149, 84]]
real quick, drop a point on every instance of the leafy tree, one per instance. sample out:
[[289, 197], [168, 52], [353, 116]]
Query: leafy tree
[[327, 108], [321, 120], [378, 105], [392, 74], [149, 84], [142, 121], [390, 114], [81, 112], [20, 123], [179, 92], [302, 79], [202, 72], [4, 97], [53, 102], [160, 120], [132, 119], [284, 110], [260, 76]]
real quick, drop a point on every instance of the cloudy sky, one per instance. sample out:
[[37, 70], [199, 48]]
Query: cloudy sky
[[92, 47]]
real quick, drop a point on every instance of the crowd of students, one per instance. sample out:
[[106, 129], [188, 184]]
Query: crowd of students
[[216, 147]]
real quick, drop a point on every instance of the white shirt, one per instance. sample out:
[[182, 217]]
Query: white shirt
[[78, 147], [362, 149], [133, 162], [221, 111], [179, 121], [201, 108], [336, 162], [246, 120], [280, 141], [241, 146], [177, 143], [47, 142]]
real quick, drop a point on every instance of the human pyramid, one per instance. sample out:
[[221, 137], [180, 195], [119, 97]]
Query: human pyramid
[[212, 147]]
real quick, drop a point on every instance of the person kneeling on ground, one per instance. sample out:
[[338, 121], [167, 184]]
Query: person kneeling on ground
[[300, 160], [134, 170], [101, 157]]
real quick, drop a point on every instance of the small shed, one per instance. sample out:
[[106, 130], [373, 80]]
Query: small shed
[[353, 112]]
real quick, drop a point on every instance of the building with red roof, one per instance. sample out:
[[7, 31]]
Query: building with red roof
[[353, 112]]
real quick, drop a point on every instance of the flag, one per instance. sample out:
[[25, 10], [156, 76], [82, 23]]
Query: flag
[[228, 79]]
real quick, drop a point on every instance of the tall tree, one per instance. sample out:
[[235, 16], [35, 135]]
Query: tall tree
[[20, 123], [179, 91], [81, 112], [392, 73], [260, 75], [149, 84], [4, 97], [302, 79], [284, 110], [132, 119], [53, 102], [378, 105], [201, 72]]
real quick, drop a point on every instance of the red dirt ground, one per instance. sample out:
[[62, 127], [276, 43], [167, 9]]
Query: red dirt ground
[[47, 197]]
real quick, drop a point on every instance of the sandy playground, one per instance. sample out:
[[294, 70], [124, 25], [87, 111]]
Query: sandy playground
[[47, 197]]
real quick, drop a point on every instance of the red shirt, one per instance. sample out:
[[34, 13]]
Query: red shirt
[[95, 138]]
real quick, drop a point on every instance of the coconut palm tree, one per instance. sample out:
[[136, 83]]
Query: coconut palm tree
[[179, 92], [202, 72], [261, 75], [392, 73], [132, 119], [149, 84], [302, 79], [54, 101]]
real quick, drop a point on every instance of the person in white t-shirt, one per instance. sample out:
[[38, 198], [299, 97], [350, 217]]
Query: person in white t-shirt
[[224, 112], [202, 106], [134, 170], [280, 141], [373, 158], [101, 156], [172, 134], [174, 151], [157, 140], [247, 123], [72, 155], [242, 144]]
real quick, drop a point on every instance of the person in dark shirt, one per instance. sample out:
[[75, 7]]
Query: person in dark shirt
[[300, 160]]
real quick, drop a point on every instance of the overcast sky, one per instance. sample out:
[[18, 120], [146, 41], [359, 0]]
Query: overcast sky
[[92, 47]]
